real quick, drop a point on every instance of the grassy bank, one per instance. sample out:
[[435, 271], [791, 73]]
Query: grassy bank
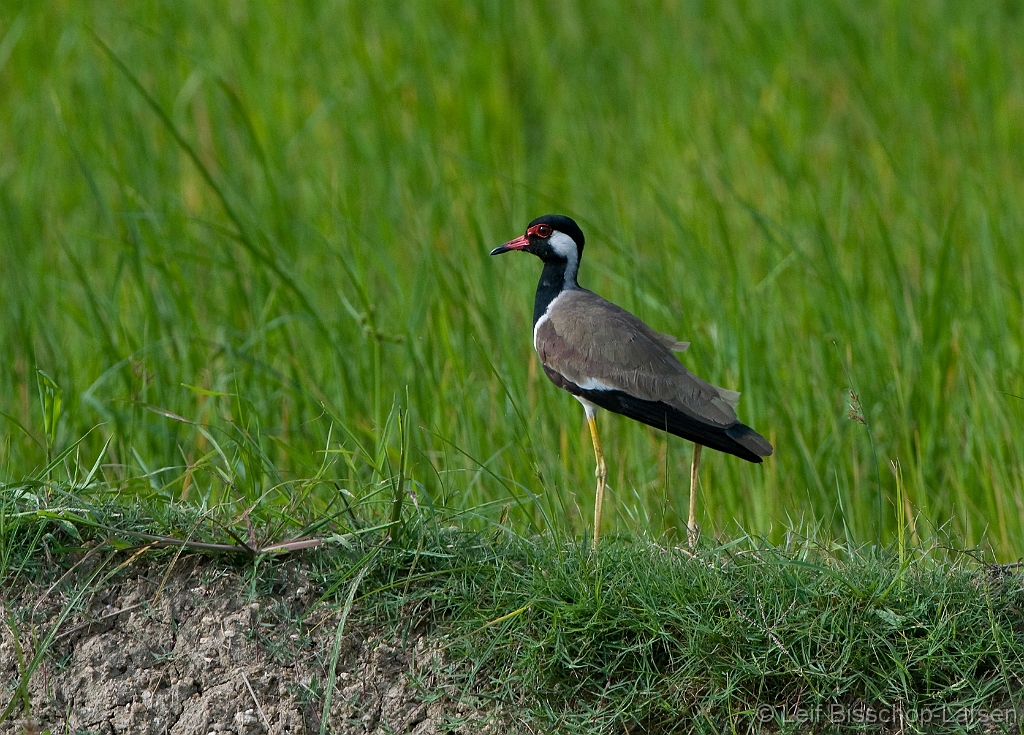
[[741, 636]]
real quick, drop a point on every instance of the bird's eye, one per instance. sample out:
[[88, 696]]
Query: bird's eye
[[544, 231]]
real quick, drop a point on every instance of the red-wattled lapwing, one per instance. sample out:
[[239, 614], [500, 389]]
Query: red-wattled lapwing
[[608, 358]]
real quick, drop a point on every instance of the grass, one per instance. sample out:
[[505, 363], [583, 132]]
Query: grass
[[246, 300], [280, 227], [658, 640], [741, 636]]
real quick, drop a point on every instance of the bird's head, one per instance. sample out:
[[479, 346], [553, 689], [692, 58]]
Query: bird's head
[[552, 238]]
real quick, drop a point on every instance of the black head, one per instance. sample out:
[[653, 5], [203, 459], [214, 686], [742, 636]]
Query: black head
[[553, 237]]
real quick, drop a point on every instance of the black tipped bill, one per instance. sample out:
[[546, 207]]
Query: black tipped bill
[[518, 244]]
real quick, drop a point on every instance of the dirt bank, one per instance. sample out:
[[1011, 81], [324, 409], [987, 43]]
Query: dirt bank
[[195, 648]]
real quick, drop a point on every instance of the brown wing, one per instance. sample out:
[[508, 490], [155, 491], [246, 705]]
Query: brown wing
[[597, 345]]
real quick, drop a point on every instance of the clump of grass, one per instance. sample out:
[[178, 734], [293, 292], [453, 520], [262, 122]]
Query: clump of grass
[[745, 636]]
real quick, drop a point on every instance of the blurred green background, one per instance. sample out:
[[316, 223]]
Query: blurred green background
[[246, 238]]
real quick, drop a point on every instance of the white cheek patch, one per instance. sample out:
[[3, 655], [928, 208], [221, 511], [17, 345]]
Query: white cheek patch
[[565, 246]]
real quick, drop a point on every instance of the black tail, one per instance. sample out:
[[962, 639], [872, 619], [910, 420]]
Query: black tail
[[739, 439]]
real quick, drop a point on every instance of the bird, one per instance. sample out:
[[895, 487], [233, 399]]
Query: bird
[[608, 358]]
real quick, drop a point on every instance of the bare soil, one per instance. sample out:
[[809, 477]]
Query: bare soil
[[190, 647]]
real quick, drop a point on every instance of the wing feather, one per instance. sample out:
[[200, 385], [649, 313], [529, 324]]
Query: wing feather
[[597, 345]]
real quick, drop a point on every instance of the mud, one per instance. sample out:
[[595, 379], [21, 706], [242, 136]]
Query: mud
[[193, 649]]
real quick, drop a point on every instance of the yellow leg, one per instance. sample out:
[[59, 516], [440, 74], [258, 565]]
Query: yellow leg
[[692, 529], [601, 472]]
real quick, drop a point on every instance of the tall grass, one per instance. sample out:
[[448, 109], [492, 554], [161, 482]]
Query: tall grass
[[222, 225]]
